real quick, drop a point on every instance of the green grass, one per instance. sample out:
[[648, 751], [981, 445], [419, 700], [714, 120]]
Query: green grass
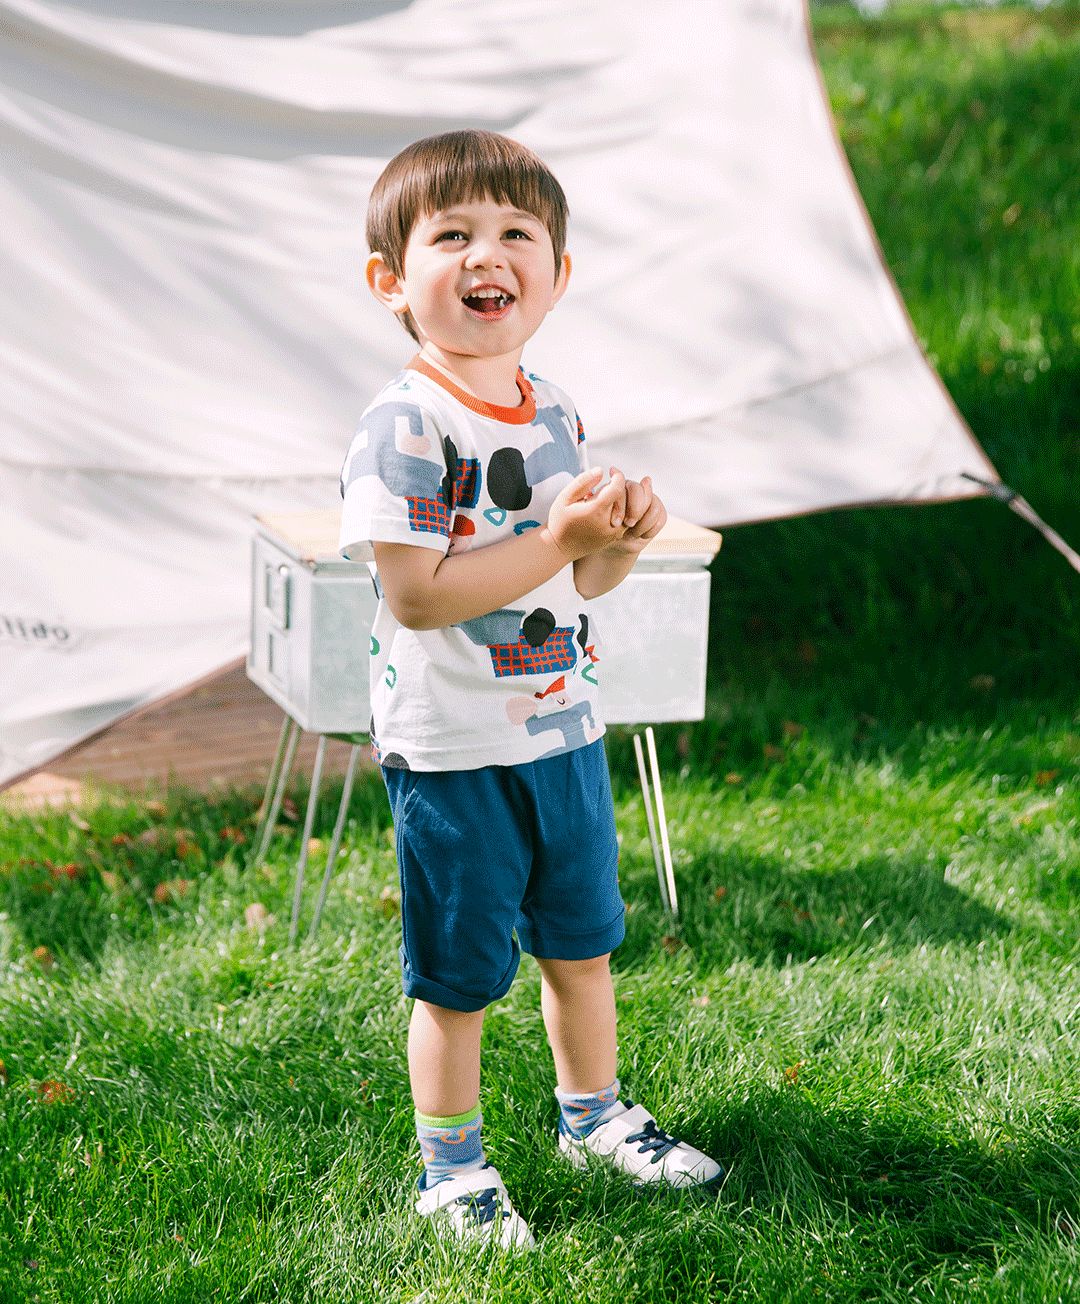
[[868, 1008]]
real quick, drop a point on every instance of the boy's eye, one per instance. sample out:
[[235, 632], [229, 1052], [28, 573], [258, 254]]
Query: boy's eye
[[513, 231]]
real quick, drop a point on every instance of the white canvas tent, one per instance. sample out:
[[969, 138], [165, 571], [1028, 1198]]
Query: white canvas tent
[[187, 340]]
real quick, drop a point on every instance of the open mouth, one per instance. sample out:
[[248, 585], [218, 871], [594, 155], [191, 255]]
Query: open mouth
[[491, 307]]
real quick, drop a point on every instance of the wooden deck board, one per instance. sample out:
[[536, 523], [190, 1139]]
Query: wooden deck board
[[222, 733]]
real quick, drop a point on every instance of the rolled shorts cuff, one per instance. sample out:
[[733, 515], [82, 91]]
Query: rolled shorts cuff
[[420, 988], [551, 945]]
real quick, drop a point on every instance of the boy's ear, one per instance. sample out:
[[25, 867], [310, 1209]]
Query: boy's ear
[[561, 280], [383, 284]]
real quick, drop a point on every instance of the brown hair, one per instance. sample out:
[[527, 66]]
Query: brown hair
[[456, 167]]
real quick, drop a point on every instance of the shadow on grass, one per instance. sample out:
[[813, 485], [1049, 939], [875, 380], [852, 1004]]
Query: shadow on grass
[[906, 1190], [767, 910], [785, 1151]]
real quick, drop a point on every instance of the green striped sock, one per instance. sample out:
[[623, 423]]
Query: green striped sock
[[450, 1146]]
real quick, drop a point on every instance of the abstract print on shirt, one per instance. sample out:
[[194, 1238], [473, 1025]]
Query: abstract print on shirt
[[435, 467]]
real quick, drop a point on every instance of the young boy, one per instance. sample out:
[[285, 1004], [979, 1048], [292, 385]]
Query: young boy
[[470, 479]]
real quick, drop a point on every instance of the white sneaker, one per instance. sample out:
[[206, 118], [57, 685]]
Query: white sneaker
[[631, 1143], [474, 1207]]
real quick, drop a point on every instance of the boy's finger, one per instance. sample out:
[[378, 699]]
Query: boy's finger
[[650, 521], [581, 485], [615, 493], [637, 502], [615, 487]]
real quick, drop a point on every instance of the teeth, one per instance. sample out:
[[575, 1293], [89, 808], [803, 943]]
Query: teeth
[[486, 294]]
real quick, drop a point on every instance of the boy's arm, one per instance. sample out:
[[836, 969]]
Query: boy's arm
[[602, 571], [426, 590]]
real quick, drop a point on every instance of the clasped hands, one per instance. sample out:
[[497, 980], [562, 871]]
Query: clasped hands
[[618, 519]]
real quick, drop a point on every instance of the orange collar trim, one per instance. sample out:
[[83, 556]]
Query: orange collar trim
[[522, 415]]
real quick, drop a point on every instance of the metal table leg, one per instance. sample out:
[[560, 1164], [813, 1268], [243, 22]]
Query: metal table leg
[[309, 822], [290, 736], [647, 798], [665, 870], [661, 819], [335, 841]]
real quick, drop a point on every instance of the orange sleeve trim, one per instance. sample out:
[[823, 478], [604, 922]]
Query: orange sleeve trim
[[522, 415]]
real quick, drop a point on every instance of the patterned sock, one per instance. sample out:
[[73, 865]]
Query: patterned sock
[[580, 1112], [450, 1146]]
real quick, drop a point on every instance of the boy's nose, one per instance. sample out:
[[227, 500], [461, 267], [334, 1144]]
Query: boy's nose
[[484, 253]]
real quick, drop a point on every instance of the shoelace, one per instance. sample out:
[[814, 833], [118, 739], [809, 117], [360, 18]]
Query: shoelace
[[653, 1138], [482, 1206]]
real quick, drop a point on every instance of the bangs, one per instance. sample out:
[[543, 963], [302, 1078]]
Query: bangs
[[438, 172]]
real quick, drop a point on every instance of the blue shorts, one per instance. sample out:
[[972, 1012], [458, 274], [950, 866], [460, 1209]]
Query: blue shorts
[[484, 852]]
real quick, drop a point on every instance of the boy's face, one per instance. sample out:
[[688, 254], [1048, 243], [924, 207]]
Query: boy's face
[[473, 246]]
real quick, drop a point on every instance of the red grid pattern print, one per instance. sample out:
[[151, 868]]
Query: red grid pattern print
[[467, 484], [580, 432], [429, 516], [521, 658]]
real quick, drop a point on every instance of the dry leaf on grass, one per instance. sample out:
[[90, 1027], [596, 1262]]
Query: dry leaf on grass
[[791, 1073], [671, 943], [44, 959], [773, 753], [55, 1093], [172, 889], [1044, 778]]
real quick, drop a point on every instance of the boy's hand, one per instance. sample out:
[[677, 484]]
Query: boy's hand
[[582, 522], [644, 517]]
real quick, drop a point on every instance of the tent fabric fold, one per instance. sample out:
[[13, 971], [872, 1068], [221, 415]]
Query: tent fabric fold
[[187, 340]]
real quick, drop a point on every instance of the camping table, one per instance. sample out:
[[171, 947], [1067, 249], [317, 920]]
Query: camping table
[[311, 611]]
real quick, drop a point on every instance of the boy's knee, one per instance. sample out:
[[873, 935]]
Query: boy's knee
[[567, 973], [446, 1017]]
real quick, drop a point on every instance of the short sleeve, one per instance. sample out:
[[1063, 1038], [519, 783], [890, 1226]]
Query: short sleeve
[[394, 483]]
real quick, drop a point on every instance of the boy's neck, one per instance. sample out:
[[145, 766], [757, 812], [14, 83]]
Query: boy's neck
[[492, 379]]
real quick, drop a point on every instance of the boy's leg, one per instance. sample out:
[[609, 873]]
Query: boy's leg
[[578, 1002], [444, 1072], [444, 1059], [457, 1184]]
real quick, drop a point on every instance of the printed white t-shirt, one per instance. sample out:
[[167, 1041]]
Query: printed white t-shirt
[[434, 466]]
